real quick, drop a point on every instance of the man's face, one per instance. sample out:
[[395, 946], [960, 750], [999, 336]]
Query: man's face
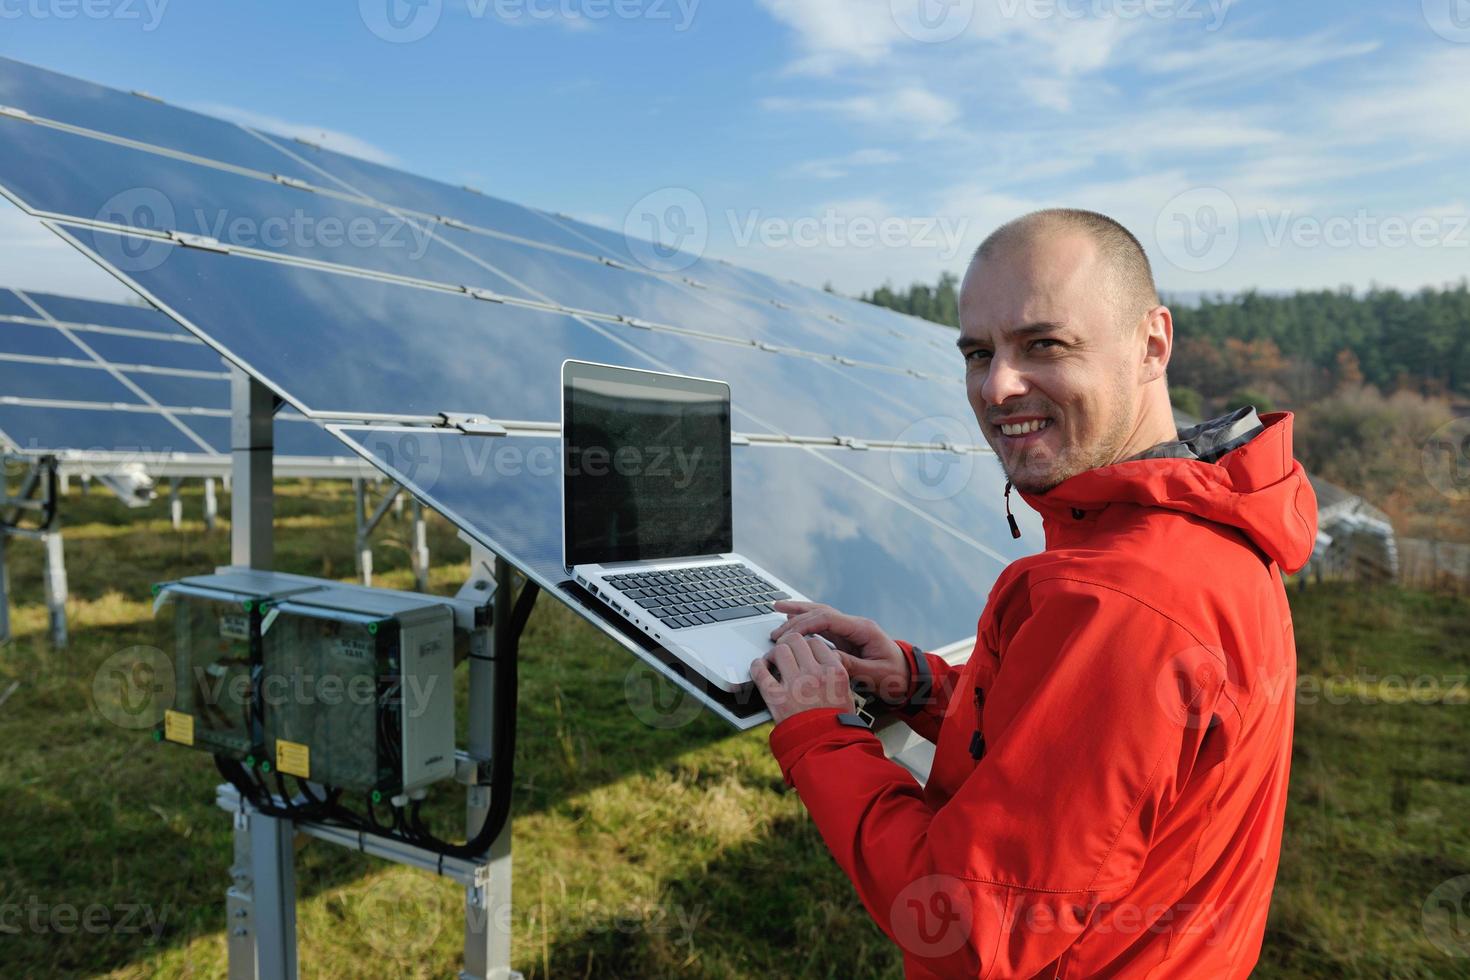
[[1051, 373]]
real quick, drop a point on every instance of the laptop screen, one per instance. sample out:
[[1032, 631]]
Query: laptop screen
[[646, 465]]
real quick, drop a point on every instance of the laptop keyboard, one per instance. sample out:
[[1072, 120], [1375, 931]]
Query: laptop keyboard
[[697, 596]]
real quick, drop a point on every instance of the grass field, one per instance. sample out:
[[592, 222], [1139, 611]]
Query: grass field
[[641, 851]]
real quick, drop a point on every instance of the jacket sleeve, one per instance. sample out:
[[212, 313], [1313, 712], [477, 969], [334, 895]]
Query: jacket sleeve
[[1092, 729], [931, 682]]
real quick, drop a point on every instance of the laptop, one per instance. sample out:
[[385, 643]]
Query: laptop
[[648, 519]]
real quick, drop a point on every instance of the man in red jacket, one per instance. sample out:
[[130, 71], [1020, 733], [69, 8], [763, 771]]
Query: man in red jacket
[[1110, 772]]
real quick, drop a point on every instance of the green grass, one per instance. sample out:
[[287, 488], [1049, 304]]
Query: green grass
[[640, 851]]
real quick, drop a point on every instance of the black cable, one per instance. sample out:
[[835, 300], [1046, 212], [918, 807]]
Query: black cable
[[503, 748]]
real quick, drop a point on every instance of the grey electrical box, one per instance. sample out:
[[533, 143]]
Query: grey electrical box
[[358, 689], [213, 624], [348, 686]]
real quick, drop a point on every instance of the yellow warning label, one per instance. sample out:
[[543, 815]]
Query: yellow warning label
[[293, 758], [178, 727]]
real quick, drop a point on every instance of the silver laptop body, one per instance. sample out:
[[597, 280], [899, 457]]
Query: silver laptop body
[[648, 520]]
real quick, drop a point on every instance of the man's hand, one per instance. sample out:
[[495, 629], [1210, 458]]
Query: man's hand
[[865, 651], [801, 674]]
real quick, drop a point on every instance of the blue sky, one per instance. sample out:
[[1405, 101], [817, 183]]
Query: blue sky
[[1249, 144]]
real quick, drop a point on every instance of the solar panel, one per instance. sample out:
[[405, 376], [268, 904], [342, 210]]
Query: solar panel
[[11, 305], [83, 104], [66, 366], [430, 197], [498, 297]]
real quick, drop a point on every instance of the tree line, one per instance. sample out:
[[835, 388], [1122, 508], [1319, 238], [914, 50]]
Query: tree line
[[1371, 376]]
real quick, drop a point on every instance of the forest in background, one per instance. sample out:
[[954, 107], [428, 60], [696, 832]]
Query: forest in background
[[1371, 376]]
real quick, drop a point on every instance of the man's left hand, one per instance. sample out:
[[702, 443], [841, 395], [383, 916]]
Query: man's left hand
[[801, 674]]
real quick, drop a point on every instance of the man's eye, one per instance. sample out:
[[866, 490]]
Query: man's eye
[[1045, 340], [975, 355]]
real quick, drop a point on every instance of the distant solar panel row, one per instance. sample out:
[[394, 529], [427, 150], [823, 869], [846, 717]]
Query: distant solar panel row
[[86, 376]]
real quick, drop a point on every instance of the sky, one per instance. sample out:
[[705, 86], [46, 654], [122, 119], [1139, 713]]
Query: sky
[[1248, 144]]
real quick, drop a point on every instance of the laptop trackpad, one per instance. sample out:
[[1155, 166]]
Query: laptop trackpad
[[757, 634]]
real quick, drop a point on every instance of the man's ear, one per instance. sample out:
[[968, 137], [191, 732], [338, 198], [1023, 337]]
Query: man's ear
[[1158, 338]]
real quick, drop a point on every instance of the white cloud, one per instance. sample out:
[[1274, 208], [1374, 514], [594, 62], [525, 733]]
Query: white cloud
[[832, 32], [331, 139], [1230, 61], [911, 106], [833, 168], [1425, 104]]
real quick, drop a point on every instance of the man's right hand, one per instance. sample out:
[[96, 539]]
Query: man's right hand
[[871, 658]]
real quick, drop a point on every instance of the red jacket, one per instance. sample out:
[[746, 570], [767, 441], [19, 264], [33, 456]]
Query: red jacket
[[1110, 775]]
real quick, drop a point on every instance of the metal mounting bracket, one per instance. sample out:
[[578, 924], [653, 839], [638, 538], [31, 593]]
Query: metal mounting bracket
[[203, 242], [472, 425]]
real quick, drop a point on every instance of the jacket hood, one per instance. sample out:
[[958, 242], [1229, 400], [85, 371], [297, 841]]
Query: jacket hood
[[1259, 488]]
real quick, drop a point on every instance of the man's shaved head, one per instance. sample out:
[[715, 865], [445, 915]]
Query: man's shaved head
[[1130, 277]]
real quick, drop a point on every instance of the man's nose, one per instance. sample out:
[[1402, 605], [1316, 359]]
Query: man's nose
[[1001, 382]]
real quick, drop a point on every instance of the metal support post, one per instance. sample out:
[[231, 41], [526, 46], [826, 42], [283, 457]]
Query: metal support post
[[211, 504], [359, 514], [4, 584], [32, 512], [175, 504], [56, 591], [63, 484], [488, 902], [262, 903], [420, 547], [367, 523]]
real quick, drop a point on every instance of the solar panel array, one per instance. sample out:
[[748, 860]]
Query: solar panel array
[[84, 377], [357, 291]]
